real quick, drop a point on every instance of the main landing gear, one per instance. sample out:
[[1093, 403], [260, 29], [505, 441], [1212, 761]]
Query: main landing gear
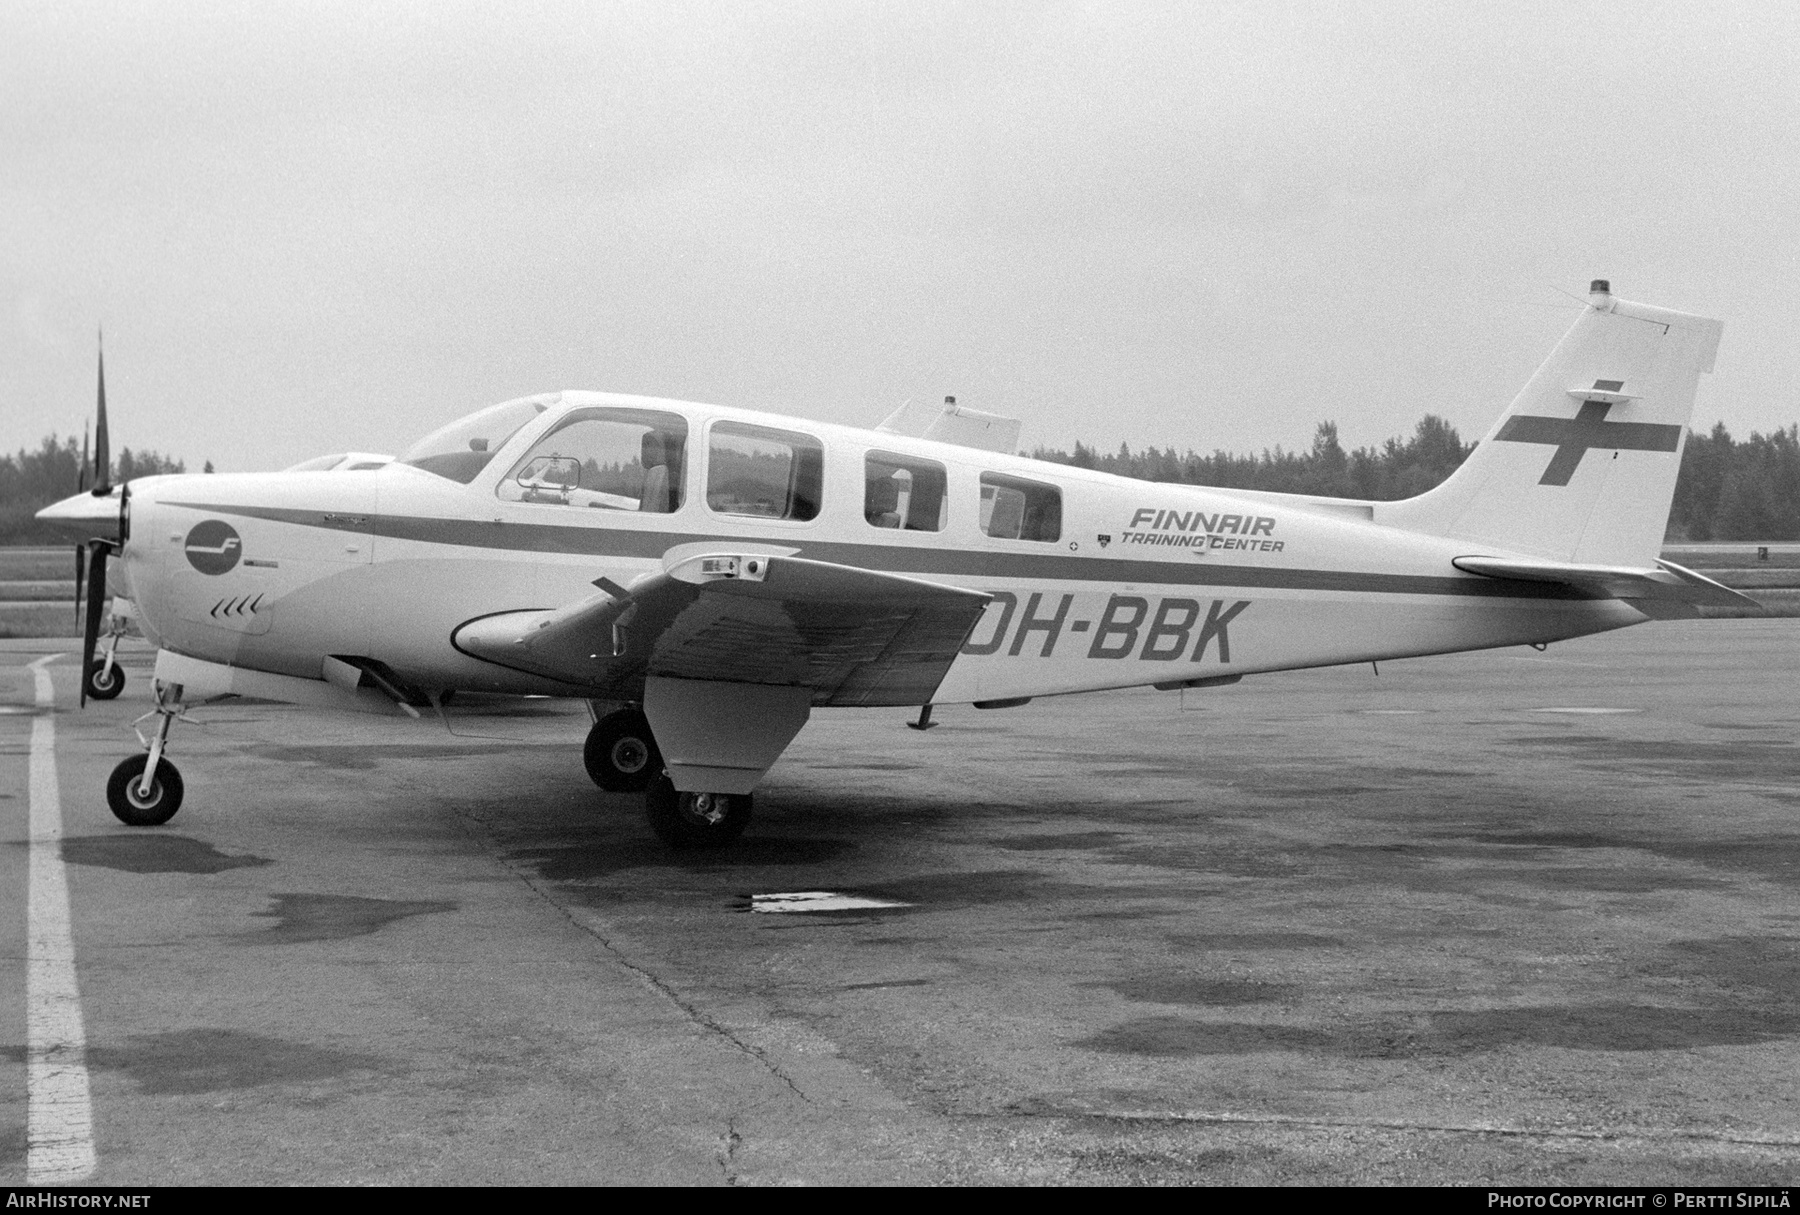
[[621, 756], [695, 820], [145, 790]]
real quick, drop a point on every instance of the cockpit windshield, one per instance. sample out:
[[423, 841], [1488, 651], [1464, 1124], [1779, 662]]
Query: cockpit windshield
[[462, 449]]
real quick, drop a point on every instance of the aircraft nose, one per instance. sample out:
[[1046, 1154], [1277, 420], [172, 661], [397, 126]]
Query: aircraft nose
[[82, 517]]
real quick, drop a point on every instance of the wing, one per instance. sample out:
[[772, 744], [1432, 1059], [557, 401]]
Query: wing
[[854, 636], [1667, 591]]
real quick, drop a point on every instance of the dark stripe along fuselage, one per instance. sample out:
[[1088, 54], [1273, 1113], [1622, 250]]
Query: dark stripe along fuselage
[[642, 544]]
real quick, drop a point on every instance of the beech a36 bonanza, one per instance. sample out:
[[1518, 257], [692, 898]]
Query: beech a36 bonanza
[[707, 577]]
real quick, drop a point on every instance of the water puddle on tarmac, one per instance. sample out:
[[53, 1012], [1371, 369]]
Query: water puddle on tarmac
[[803, 901]]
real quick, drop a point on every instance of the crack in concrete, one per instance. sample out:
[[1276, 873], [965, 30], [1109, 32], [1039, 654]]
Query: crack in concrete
[[662, 988], [728, 1146], [1223, 1118]]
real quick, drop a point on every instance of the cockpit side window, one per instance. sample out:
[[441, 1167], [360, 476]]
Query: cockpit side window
[[462, 449], [607, 459], [1013, 508], [763, 472], [904, 492]]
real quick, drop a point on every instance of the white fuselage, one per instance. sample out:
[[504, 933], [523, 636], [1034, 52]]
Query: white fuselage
[[1145, 583]]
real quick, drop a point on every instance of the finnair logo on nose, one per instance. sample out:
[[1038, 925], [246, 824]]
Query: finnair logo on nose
[[213, 547]]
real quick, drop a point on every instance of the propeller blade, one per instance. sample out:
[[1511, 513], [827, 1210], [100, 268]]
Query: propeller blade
[[80, 569], [96, 603], [102, 450]]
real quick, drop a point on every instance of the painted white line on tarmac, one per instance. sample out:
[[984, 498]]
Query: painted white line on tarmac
[[803, 901], [60, 1114]]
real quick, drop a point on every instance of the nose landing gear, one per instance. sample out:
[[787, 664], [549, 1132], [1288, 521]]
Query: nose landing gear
[[105, 678], [132, 805], [145, 790]]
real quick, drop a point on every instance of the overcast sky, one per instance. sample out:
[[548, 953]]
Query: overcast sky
[[315, 227]]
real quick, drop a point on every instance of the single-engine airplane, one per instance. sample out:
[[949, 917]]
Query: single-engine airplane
[[712, 575]]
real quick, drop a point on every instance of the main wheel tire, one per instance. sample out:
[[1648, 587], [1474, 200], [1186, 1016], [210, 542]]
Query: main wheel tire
[[103, 684], [621, 755], [162, 803], [695, 820]]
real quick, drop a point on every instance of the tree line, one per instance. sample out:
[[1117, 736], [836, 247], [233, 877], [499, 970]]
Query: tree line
[[1399, 468], [1732, 490], [31, 480], [1727, 489]]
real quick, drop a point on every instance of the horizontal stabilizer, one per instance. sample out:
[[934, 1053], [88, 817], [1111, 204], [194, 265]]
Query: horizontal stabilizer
[[1669, 585], [854, 636]]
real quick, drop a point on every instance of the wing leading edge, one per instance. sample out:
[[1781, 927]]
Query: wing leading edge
[[853, 636]]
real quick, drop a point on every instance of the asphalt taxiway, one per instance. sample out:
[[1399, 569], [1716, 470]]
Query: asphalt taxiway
[[1507, 917]]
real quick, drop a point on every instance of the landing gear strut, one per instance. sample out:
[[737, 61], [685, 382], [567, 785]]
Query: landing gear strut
[[145, 790], [695, 820], [621, 755]]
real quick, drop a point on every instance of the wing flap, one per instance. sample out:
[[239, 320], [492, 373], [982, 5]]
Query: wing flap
[[1662, 591], [854, 636]]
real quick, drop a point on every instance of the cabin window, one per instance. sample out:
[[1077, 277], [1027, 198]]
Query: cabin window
[[1013, 508], [606, 459], [763, 473], [904, 493]]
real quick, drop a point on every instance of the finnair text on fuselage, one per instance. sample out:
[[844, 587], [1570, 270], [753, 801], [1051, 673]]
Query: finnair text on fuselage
[[1197, 529]]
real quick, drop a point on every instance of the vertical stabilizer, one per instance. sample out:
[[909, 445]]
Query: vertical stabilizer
[[1582, 465]]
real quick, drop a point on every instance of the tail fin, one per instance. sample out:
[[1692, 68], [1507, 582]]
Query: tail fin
[[1582, 466]]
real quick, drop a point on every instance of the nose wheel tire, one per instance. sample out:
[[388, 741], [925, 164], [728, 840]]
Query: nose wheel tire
[[620, 754], [144, 810], [103, 684], [695, 820]]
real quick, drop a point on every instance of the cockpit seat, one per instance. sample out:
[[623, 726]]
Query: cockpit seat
[[881, 502], [655, 497]]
